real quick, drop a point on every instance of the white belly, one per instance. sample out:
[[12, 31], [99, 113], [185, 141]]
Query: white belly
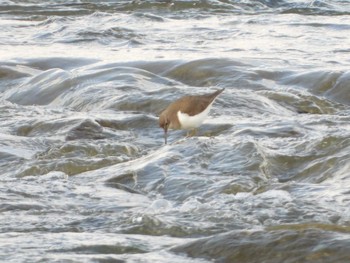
[[190, 122]]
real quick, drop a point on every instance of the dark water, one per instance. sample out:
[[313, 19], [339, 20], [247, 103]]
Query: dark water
[[84, 174]]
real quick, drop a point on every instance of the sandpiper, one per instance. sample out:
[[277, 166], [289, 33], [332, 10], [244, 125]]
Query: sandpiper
[[187, 113]]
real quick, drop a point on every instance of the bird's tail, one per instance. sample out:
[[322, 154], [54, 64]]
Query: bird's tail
[[215, 94]]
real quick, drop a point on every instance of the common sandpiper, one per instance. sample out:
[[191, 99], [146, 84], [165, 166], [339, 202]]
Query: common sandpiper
[[187, 113]]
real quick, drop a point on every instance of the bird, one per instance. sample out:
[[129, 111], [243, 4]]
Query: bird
[[187, 113]]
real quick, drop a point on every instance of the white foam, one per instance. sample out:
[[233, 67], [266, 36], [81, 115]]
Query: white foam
[[278, 195]]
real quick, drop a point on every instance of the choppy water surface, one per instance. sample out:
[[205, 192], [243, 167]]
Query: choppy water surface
[[84, 173]]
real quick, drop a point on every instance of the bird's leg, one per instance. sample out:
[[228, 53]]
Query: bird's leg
[[191, 133]]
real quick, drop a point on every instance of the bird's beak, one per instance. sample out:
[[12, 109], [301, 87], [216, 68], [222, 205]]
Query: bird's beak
[[166, 135]]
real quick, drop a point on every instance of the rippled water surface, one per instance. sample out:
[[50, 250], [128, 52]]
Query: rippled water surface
[[84, 172]]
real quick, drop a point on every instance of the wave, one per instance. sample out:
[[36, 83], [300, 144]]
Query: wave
[[75, 7], [85, 85]]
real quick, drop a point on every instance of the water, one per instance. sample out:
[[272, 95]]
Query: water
[[85, 175]]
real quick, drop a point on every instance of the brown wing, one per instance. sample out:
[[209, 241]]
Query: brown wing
[[193, 105]]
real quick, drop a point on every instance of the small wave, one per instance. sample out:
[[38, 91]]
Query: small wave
[[40, 89], [266, 245], [332, 85]]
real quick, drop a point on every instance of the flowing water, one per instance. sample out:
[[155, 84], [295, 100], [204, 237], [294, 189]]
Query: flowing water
[[84, 172]]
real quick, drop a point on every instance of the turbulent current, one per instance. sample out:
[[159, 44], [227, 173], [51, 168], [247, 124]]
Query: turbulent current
[[84, 172]]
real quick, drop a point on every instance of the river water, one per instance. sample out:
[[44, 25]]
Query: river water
[[84, 172]]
